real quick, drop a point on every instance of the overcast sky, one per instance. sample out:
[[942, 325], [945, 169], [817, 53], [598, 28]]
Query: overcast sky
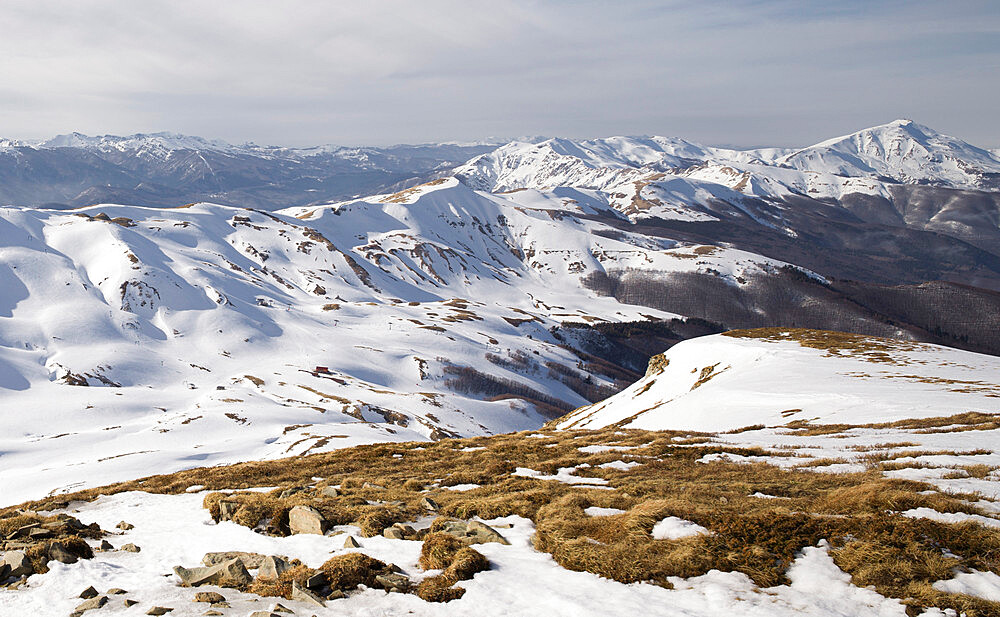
[[743, 73]]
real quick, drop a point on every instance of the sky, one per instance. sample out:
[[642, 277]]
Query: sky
[[739, 73]]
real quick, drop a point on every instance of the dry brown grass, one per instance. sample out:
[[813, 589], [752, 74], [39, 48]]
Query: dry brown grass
[[281, 587], [346, 572], [439, 550]]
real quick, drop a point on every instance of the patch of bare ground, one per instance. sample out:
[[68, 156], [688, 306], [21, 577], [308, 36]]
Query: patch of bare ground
[[384, 484]]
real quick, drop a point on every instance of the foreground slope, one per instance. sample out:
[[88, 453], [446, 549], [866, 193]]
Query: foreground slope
[[775, 376]]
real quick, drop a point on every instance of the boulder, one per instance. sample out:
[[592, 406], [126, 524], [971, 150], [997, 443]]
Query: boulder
[[116, 591], [483, 533], [350, 542], [159, 610], [4, 572], [209, 596], [316, 581], [273, 566], [306, 519], [89, 605], [329, 491], [393, 533], [125, 526], [429, 504], [58, 552], [105, 546], [230, 573], [251, 561], [88, 593], [18, 563], [393, 581], [131, 548], [301, 594], [227, 508], [281, 608], [130, 602]]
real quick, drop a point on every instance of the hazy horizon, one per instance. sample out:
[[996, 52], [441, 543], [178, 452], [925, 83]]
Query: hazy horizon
[[750, 73]]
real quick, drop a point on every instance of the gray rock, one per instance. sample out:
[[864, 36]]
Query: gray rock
[[399, 583], [329, 491], [116, 591], [336, 594], [316, 581], [350, 542], [280, 608], [260, 614], [91, 604], [273, 566], [59, 553], [306, 519], [18, 563], [230, 573], [125, 526], [129, 602], [88, 593], [131, 548], [159, 610], [483, 533], [214, 613], [227, 509], [393, 533], [209, 596], [301, 594], [4, 572], [251, 561], [105, 546], [429, 504]]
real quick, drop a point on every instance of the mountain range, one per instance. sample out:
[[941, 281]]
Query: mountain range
[[531, 279]]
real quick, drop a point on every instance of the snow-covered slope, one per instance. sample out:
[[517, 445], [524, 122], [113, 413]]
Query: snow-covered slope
[[146, 339], [774, 377]]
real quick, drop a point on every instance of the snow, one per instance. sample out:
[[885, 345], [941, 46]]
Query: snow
[[754, 381], [952, 517], [599, 511], [565, 475], [673, 528], [620, 465], [984, 585], [175, 530]]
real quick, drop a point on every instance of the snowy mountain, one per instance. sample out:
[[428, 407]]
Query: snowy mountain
[[774, 376], [166, 169]]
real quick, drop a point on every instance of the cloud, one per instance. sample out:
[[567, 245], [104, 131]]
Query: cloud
[[745, 72]]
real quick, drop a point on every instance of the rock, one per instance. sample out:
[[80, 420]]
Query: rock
[[305, 519], [316, 581], [406, 529], [91, 604], [483, 533], [350, 542], [222, 604], [59, 553], [129, 602], [209, 596], [429, 504], [88, 593], [656, 365], [372, 486], [279, 608], [262, 614], [301, 594], [159, 610], [40, 534], [116, 591], [227, 509], [4, 572], [18, 563], [105, 546], [251, 561], [393, 533], [273, 566], [131, 548], [329, 491], [230, 573], [22, 532], [399, 583], [125, 526], [336, 594], [213, 613], [288, 492]]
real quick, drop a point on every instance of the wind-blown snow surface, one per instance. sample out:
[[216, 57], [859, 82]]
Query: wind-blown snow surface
[[198, 329], [176, 530], [724, 382]]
